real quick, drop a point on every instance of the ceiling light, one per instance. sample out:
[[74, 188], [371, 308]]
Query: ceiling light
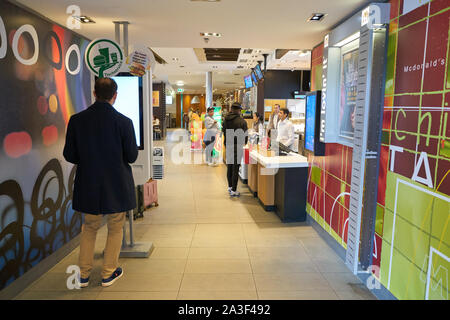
[[175, 59], [210, 34], [317, 17], [181, 66], [84, 19]]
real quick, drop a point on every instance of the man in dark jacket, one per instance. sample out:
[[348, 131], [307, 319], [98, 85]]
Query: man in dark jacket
[[235, 138], [102, 142]]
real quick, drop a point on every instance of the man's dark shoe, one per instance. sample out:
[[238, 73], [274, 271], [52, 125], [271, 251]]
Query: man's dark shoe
[[116, 275]]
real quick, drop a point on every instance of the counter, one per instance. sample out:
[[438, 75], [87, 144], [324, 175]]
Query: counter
[[281, 183]]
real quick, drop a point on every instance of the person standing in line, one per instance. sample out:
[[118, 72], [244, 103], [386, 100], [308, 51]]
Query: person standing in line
[[102, 143], [273, 120], [285, 130], [234, 128], [212, 128], [258, 123], [186, 121]]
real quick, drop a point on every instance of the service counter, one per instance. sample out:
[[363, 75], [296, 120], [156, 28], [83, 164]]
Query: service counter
[[280, 183]]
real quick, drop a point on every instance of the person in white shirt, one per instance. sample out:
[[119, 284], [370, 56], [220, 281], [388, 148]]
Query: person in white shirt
[[212, 128], [155, 121], [285, 129]]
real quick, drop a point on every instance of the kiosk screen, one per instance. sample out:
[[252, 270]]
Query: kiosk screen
[[129, 103]]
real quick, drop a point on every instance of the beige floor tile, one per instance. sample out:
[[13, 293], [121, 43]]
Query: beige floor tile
[[216, 218], [217, 295], [356, 294], [169, 253], [342, 281], [151, 282], [218, 253], [220, 242], [217, 282], [248, 216], [291, 282], [170, 230], [58, 295], [296, 253], [271, 241], [332, 264], [148, 266], [298, 295], [274, 266], [58, 282], [219, 230], [218, 266], [151, 295], [169, 242]]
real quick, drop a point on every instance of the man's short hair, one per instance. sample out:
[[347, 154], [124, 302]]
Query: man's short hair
[[105, 89], [210, 109], [285, 111], [276, 104]]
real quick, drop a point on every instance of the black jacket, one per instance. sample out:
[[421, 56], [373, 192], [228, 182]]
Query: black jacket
[[235, 121], [101, 142]]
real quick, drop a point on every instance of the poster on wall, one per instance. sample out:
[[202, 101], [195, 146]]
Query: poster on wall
[[156, 98], [43, 81], [348, 90]]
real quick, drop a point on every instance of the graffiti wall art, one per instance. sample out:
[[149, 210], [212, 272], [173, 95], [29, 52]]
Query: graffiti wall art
[[43, 81]]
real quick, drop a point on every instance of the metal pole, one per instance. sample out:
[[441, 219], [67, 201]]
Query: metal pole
[[125, 37], [209, 89], [117, 27]]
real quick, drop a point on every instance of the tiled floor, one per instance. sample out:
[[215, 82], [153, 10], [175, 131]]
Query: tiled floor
[[208, 246]]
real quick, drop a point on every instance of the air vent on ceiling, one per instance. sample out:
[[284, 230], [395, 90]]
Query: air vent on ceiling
[[240, 67], [229, 83], [221, 54], [243, 60], [247, 51]]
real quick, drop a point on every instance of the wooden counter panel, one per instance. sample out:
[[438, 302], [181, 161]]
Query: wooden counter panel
[[266, 186]]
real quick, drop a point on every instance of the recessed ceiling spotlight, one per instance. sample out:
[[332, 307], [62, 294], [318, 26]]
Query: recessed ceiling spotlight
[[175, 59], [210, 34], [84, 19], [317, 17], [181, 66]]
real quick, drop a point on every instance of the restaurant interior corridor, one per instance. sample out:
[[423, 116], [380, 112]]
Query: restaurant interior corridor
[[210, 246]]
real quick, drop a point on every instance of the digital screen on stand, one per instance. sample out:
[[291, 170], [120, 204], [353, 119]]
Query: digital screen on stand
[[255, 80], [248, 81], [258, 72], [310, 126], [129, 103]]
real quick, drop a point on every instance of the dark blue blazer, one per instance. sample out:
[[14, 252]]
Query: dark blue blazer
[[102, 143]]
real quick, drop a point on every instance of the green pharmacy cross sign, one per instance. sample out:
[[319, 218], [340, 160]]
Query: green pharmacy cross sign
[[104, 58]]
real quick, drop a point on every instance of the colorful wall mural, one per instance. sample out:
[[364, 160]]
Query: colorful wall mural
[[43, 81], [412, 234]]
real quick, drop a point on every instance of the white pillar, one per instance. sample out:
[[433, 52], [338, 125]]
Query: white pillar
[[209, 90]]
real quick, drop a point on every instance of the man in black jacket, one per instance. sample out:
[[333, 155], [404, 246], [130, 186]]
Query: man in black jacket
[[235, 132], [102, 143]]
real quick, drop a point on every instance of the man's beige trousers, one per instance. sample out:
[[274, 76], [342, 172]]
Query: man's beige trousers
[[113, 243]]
